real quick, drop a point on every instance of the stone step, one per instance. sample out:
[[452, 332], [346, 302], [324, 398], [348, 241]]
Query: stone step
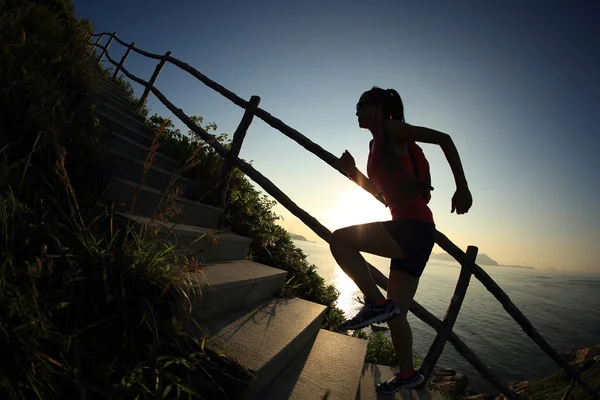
[[226, 286], [103, 94], [109, 107], [147, 204], [329, 367], [204, 243], [123, 166], [101, 79], [265, 337], [126, 145], [115, 121], [374, 374]]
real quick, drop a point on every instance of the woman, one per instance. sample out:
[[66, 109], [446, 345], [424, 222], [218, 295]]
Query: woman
[[409, 237]]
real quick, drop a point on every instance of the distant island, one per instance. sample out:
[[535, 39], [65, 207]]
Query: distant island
[[294, 236], [517, 266], [482, 259]]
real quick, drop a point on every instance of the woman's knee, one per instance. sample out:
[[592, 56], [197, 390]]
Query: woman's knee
[[339, 238]]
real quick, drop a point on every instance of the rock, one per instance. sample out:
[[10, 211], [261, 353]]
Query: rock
[[580, 355], [475, 397], [447, 387], [461, 383], [520, 386], [517, 387]]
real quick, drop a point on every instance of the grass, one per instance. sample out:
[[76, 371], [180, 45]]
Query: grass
[[89, 307], [554, 386]]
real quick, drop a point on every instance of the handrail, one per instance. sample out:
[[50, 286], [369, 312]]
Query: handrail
[[468, 264]]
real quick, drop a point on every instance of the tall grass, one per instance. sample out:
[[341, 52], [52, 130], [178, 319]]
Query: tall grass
[[89, 308]]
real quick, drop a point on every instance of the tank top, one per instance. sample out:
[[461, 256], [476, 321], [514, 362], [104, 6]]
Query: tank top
[[400, 206]]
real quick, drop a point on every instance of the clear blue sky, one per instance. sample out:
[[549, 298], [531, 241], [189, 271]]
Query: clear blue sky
[[516, 84]]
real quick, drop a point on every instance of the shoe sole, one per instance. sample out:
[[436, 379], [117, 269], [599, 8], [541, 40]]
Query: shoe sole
[[411, 385], [378, 319]]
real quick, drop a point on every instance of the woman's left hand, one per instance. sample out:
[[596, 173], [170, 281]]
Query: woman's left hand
[[462, 200]]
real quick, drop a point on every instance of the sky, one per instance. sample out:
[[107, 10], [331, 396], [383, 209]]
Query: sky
[[515, 84]]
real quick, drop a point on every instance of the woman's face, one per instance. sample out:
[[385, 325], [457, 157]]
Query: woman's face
[[368, 111]]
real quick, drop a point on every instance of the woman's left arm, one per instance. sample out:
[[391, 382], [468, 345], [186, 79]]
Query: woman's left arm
[[401, 132]]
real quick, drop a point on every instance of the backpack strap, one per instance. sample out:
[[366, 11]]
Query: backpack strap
[[413, 179]]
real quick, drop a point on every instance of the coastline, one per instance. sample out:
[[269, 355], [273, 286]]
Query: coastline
[[586, 360]]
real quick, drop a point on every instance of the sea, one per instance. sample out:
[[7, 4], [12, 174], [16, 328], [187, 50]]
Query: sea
[[563, 307]]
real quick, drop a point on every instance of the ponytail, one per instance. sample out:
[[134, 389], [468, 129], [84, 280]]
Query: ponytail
[[395, 105], [391, 101]]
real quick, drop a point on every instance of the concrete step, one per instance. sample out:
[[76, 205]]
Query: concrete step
[[265, 337], [116, 121], [204, 243], [102, 94], [374, 374], [138, 151], [329, 367], [147, 204], [101, 79], [139, 133], [105, 86], [109, 107], [227, 286], [123, 166]]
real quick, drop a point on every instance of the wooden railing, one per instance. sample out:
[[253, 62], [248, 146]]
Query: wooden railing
[[467, 260]]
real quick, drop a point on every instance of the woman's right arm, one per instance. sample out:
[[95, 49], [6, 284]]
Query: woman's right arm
[[362, 181]]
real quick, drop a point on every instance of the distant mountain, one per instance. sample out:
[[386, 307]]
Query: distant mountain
[[482, 258], [517, 266], [297, 237]]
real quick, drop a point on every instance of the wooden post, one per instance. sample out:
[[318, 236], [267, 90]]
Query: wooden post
[[234, 152], [105, 50], [516, 314], [97, 42], [436, 348], [159, 67], [123, 60]]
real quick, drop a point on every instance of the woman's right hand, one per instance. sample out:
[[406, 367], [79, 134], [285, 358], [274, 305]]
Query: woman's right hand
[[347, 163]]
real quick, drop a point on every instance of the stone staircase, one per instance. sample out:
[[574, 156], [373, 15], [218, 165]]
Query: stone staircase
[[279, 339]]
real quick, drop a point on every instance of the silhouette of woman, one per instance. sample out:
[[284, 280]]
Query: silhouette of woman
[[398, 173]]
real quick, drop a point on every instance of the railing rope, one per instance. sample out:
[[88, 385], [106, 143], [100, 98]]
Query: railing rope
[[100, 36], [116, 73], [324, 233], [159, 68], [105, 48]]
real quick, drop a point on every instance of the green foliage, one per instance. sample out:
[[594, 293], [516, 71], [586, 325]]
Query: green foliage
[[249, 213], [380, 349], [554, 386], [87, 306]]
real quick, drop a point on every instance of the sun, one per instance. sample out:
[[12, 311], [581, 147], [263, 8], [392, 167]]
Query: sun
[[356, 206]]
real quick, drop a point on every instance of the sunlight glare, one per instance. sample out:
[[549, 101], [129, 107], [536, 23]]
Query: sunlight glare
[[356, 206]]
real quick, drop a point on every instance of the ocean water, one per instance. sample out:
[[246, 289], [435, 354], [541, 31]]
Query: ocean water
[[563, 307]]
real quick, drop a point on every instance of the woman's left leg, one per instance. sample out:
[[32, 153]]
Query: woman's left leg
[[346, 245]]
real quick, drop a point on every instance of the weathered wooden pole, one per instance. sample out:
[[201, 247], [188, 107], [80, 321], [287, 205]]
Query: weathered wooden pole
[[436, 348], [96, 44], [122, 61], [105, 50], [159, 68], [234, 151]]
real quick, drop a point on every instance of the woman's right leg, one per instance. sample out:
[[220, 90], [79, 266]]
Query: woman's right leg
[[401, 289]]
